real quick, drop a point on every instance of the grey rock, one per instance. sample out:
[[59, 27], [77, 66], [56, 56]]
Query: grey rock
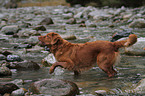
[[138, 88], [19, 92], [32, 40], [24, 65], [2, 57], [48, 60], [46, 21], [54, 87], [28, 33], [67, 16], [12, 58], [7, 88], [40, 28], [71, 21], [139, 23], [3, 23], [10, 30], [4, 71]]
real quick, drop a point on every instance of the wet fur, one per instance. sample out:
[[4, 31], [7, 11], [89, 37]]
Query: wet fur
[[82, 57]]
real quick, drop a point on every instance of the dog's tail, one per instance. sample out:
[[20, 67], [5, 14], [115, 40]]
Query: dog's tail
[[125, 43]]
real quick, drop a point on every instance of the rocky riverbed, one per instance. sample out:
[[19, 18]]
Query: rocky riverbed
[[24, 64]]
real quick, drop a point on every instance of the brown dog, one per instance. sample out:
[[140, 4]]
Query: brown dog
[[81, 57]]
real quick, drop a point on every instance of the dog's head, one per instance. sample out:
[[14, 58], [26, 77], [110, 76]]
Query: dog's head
[[50, 39]]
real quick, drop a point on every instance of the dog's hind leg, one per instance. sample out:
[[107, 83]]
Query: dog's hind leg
[[106, 62]]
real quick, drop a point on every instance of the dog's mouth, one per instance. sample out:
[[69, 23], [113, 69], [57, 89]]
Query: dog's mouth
[[42, 43], [47, 49]]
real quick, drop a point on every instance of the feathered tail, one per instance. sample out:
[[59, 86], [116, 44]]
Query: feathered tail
[[125, 43]]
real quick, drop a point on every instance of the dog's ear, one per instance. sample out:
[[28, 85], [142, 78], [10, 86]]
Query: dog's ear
[[55, 41]]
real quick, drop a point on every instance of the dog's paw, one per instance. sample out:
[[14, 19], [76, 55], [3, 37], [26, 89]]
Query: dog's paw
[[51, 70]]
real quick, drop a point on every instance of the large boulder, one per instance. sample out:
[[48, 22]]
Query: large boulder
[[54, 87]]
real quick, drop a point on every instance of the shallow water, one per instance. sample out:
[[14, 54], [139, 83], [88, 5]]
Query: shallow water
[[130, 70]]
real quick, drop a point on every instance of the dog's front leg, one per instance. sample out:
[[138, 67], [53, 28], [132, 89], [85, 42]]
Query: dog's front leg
[[56, 64]]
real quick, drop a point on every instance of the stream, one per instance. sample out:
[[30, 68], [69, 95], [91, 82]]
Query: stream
[[131, 69]]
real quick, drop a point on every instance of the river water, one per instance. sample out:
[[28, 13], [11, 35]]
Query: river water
[[130, 70]]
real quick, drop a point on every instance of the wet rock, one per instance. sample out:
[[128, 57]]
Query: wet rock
[[18, 82], [28, 33], [12, 58], [82, 21], [4, 71], [15, 35], [139, 23], [70, 37], [7, 88], [23, 46], [3, 23], [127, 16], [46, 21], [138, 88], [71, 21], [24, 65], [121, 34], [2, 57], [25, 25], [90, 24], [2, 61], [54, 87], [137, 48], [82, 25], [67, 16], [35, 49], [33, 40], [48, 60], [10, 30], [6, 53], [5, 64], [96, 14], [40, 28], [79, 15], [19, 92]]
